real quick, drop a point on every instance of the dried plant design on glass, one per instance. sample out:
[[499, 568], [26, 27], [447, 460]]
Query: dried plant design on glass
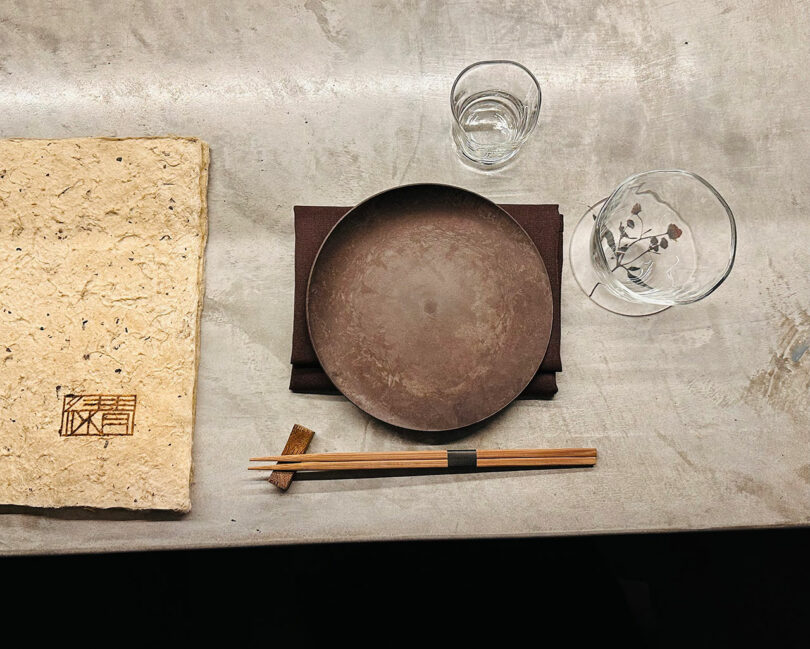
[[662, 238], [634, 242]]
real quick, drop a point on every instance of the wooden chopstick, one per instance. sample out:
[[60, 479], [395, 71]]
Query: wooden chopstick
[[428, 455], [359, 465]]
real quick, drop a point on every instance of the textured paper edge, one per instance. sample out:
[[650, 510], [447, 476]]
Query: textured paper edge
[[206, 159]]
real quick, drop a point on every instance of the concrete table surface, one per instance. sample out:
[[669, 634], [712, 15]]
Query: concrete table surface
[[700, 413]]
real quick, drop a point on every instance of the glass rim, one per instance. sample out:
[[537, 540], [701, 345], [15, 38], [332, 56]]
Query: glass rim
[[717, 195], [493, 62]]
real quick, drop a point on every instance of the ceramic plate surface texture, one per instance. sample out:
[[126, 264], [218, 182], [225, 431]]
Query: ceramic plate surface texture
[[429, 307]]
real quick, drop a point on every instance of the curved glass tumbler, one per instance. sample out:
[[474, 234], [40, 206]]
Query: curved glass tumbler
[[661, 238], [495, 107]]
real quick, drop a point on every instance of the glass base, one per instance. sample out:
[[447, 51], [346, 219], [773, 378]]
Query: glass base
[[579, 256], [485, 165]]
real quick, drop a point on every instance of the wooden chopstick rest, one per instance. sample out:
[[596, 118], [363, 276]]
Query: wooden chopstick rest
[[297, 443]]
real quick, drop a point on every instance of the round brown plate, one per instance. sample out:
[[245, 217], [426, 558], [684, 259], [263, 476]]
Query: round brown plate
[[429, 307]]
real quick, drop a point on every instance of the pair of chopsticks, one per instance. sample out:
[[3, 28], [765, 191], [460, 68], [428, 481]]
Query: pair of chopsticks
[[529, 457]]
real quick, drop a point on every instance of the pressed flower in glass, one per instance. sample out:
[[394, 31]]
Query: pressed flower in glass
[[661, 238]]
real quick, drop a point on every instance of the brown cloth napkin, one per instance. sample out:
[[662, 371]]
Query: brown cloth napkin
[[543, 223]]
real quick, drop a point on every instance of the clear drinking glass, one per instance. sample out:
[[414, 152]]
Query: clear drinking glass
[[495, 107], [661, 238]]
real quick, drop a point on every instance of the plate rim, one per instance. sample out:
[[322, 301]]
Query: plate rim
[[496, 207]]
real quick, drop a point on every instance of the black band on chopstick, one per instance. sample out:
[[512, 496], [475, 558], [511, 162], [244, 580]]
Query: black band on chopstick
[[462, 458]]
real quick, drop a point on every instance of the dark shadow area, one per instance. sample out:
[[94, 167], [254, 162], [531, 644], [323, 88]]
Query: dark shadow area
[[717, 589], [304, 476], [88, 513]]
